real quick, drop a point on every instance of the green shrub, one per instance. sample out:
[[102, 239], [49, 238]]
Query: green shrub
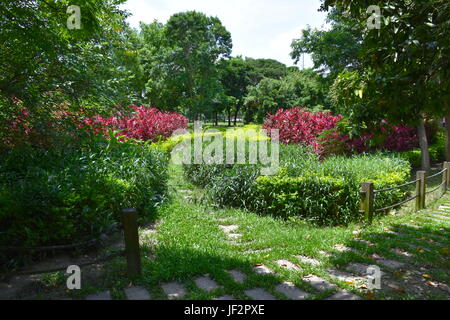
[[437, 152], [323, 192], [49, 197]]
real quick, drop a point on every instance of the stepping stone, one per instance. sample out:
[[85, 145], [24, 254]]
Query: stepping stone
[[100, 296], [342, 275], [358, 268], [288, 265], [391, 264], [401, 252], [237, 275], [344, 295], [259, 294], [308, 260], [223, 219], [325, 253], [137, 293], [228, 229], [251, 251], [342, 248], [318, 283], [366, 242], [234, 235], [225, 297], [262, 269], [173, 290], [291, 291], [206, 283], [438, 216]]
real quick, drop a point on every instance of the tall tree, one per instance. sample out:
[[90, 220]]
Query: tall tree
[[405, 62], [190, 45]]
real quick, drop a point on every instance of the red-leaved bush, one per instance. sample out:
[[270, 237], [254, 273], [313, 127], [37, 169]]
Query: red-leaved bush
[[297, 125], [143, 123], [320, 130]]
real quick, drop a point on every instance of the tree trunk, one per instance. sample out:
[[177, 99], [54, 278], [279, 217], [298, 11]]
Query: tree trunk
[[229, 116], [447, 137], [236, 114], [423, 141]]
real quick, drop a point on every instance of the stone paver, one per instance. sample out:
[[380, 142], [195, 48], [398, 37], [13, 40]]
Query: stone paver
[[173, 290], [344, 295], [326, 254], [308, 260], [225, 297], [366, 242], [288, 265], [253, 251], [137, 293], [237, 275], [229, 229], [358, 268], [262, 269], [391, 264], [259, 294], [439, 216], [341, 248], [318, 283], [234, 235], [342, 275], [100, 296], [291, 291], [206, 283], [401, 252]]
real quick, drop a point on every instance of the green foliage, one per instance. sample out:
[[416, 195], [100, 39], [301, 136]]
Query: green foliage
[[180, 61], [437, 152], [60, 197], [297, 88], [325, 193]]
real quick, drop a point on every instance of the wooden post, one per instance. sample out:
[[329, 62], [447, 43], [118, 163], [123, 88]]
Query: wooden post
[[421, 190], [131, 238], [367, 200], [444, 181], [447, 174]]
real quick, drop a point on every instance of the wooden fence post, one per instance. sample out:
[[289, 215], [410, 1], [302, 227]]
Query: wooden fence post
[[367, 200], [420, 190], [131, 238], [447, 174]]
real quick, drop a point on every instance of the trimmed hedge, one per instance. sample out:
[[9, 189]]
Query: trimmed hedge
[[325, 193]]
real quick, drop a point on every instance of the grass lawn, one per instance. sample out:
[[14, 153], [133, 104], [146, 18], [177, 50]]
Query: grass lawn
[[188, 242]]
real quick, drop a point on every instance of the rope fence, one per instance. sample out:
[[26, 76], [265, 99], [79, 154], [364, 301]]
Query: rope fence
[[368, 193], [131, 252]]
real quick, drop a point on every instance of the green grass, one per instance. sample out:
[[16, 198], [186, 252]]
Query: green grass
[[189, 243]]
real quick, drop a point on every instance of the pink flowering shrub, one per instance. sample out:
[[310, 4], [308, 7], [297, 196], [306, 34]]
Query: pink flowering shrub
[[297, 125], [143, 123], [321, 131]]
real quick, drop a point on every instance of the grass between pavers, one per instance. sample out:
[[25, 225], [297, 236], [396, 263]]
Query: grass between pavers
[[188, 243]]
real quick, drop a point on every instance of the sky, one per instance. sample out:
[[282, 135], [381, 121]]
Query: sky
[[259, 28]]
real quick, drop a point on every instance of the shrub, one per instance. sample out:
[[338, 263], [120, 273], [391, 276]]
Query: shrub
[[146, 124], [323, 192], [52, 197]]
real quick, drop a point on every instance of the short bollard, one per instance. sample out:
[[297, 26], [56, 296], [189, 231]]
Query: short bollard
[[131, 237]]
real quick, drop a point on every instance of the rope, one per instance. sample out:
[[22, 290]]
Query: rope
[[108, 257], [396, 205], [433, 190], [396, 187], [436, 174], [59, 247]]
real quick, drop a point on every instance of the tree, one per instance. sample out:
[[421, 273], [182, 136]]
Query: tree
[[235, 75], [404, 72], [297, 88], [43, 63], [334, 50], [180, 61]]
